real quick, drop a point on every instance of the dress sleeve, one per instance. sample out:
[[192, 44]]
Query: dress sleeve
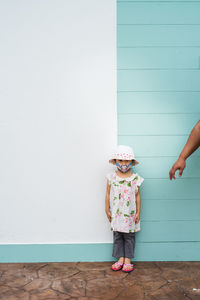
[[108, 176], [140, 180]]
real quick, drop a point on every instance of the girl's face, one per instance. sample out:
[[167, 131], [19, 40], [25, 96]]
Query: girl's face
[[123, 162], [123, 165]]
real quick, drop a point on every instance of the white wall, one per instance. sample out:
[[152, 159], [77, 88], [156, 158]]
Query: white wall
[[57, 119]]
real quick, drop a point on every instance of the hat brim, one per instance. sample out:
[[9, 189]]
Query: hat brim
[[113, 161]]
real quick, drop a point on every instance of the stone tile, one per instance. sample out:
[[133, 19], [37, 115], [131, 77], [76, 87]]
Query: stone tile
[[90, 275], [149, 277], [147, 286], [38, 284], [147, 265], [13, 266], [153, 285], [134, 293], [146, 271], [109, 273], [193, 269], [18, 276], [49, 295], [88, 298], [57, 271], [171, 265], [82, 266], [7, 293], [167, 292], [106, 288], [72, 287], [124, 298], [15, 281], [173, 270], [190, 287]]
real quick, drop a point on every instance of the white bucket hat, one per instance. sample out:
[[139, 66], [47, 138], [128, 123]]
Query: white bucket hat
[[124, 153]]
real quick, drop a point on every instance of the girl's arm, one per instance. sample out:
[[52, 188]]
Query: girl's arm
[[107, 201], [138, 205]]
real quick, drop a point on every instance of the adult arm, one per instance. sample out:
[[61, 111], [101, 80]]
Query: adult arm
[[192, 144]]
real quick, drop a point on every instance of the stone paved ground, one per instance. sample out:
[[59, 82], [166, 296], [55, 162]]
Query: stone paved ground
[[96, 281]]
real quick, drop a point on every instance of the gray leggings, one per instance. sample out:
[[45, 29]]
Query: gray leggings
[[123, 244]]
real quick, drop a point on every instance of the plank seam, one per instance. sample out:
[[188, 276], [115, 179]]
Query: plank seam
[[165, 242], [183, 91], [154, 135], [163, 91], [158, 69], [192, 1], [167, 220], [158, 24], [173, 199], [161, 113], [165, 178], [165, 156], [178, 199], [167, 46]]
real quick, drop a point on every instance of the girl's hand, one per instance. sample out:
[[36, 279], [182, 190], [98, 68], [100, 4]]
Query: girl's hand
[[137, 218], [108, 213]]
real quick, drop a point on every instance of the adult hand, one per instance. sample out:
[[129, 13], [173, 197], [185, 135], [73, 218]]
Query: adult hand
[[179, 165]]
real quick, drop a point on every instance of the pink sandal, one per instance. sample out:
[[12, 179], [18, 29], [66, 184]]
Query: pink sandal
[[117, 266], [128, 270]]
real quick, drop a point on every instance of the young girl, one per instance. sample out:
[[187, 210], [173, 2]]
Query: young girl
[[122, 207]]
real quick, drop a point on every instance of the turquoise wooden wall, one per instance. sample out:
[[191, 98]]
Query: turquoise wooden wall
[[158, 60]]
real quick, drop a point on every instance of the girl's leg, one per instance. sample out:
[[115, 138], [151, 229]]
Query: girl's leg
[[118, 245], [129, 247], [127, 260], [129, 244], [118, 250]]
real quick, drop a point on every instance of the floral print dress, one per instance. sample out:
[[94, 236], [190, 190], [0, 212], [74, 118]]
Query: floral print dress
[[123, 202]]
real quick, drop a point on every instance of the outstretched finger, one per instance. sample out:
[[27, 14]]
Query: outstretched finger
[[181, 172], [172, 173]]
